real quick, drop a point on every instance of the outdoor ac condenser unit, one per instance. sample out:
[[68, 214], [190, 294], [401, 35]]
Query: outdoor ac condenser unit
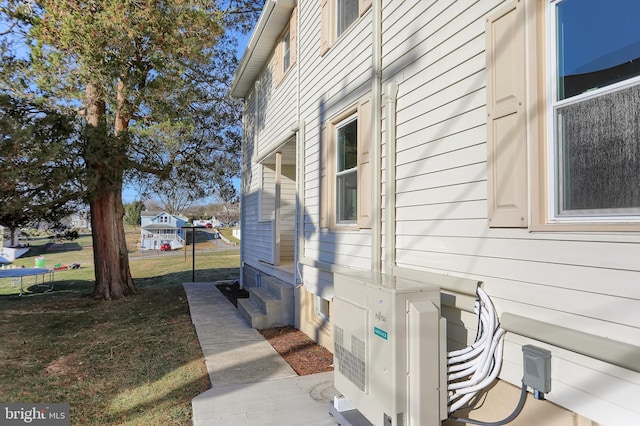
[[390, 349]]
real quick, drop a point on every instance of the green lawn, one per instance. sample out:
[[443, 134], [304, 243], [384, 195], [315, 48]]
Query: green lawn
[[134, 361]]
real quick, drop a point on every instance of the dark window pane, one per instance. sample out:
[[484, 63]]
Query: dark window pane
[[600, 153], [347, 197], [286, 51], [347, 149], [598, 44], [347, 14]]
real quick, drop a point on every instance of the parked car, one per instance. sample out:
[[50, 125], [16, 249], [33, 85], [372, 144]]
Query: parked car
[[165, 247]]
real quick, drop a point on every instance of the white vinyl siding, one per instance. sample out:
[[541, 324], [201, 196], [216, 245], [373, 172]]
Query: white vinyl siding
[[347, 62], [586, 281], [436, 51]]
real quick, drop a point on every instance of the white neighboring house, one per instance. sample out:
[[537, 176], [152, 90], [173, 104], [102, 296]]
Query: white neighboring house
[[157, 228], [422, 138], [11, 247]]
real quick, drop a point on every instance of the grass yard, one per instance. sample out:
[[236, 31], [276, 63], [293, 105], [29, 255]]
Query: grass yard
[[135, 361]]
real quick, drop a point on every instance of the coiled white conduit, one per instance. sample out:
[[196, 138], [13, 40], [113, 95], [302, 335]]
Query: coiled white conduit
[[471, 369]]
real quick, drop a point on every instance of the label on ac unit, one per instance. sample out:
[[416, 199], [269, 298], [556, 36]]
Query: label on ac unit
[[380, 333]]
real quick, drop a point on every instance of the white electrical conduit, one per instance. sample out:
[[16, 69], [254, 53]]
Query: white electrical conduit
[[475, 367], [466, 394], [471, 351]]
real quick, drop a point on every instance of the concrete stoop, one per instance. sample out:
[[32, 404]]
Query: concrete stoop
[[270, 305]]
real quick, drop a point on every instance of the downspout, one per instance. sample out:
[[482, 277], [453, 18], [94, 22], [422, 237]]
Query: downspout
[[390, 101], [376, 155], [242, 219], [300, 167]]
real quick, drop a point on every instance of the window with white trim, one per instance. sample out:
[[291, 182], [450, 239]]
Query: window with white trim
[[322, 309], [346, 167], [346, 14], [563, 116], [336, 17], [594, 113], [286, 50]]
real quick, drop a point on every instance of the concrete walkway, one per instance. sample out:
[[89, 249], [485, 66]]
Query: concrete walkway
[[250, 383]]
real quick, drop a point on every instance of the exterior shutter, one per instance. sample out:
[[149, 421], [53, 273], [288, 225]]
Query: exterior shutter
[[293, 35], [364, 164], [325, 26], [364, 6], [506, 119], [324, 177]]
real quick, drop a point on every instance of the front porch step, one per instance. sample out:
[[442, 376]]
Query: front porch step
[[271, 305], [252, 314]]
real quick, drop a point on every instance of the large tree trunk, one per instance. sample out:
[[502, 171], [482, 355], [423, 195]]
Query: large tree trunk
[[105, 163], [110, 255]]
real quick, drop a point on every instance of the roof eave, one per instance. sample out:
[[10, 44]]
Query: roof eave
[[273, 19]]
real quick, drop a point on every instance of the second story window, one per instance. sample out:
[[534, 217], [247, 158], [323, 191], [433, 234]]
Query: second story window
[[336, 17], [286, 50], [347, 13]]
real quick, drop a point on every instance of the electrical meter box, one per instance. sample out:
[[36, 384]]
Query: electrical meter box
[[390, 348]]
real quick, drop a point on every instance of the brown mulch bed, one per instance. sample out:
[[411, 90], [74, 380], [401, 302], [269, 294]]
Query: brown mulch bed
[[298, 350], [295, 347]]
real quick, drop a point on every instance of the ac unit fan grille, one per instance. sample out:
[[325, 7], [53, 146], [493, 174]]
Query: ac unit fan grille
[[350, 364]]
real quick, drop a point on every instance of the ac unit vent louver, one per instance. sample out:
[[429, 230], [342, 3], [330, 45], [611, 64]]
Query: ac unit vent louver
[[351, 365]]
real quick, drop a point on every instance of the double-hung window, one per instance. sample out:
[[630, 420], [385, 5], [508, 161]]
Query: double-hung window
[[346, 155], [594, 110], [336, 17], [286, 50], [345, 169], [346, 14], [563, 108]]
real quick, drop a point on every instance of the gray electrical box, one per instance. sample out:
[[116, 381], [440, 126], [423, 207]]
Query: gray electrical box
[[537, 368]]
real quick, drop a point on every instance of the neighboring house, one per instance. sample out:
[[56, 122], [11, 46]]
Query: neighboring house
[[8, 238], [455, 143], [10, 246], [157, 228], [81, 220]]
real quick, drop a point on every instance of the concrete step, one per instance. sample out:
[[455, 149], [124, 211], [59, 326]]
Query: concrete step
[[277, 287], [252, 314], [263, 299]]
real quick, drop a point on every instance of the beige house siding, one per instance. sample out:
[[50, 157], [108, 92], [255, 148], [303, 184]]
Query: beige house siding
[[583, 281], [329, 85], [449, 183]]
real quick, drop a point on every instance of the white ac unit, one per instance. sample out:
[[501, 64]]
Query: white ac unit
[[390, 349]]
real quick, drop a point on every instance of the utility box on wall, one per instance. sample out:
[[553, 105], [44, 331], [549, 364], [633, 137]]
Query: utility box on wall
[[390, 348]]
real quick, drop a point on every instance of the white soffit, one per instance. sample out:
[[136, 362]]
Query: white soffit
[[273, 19]]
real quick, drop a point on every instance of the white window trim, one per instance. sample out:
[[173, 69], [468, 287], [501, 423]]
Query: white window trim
[[347, 120], [553, 178], [286, 51], [319, 314]]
